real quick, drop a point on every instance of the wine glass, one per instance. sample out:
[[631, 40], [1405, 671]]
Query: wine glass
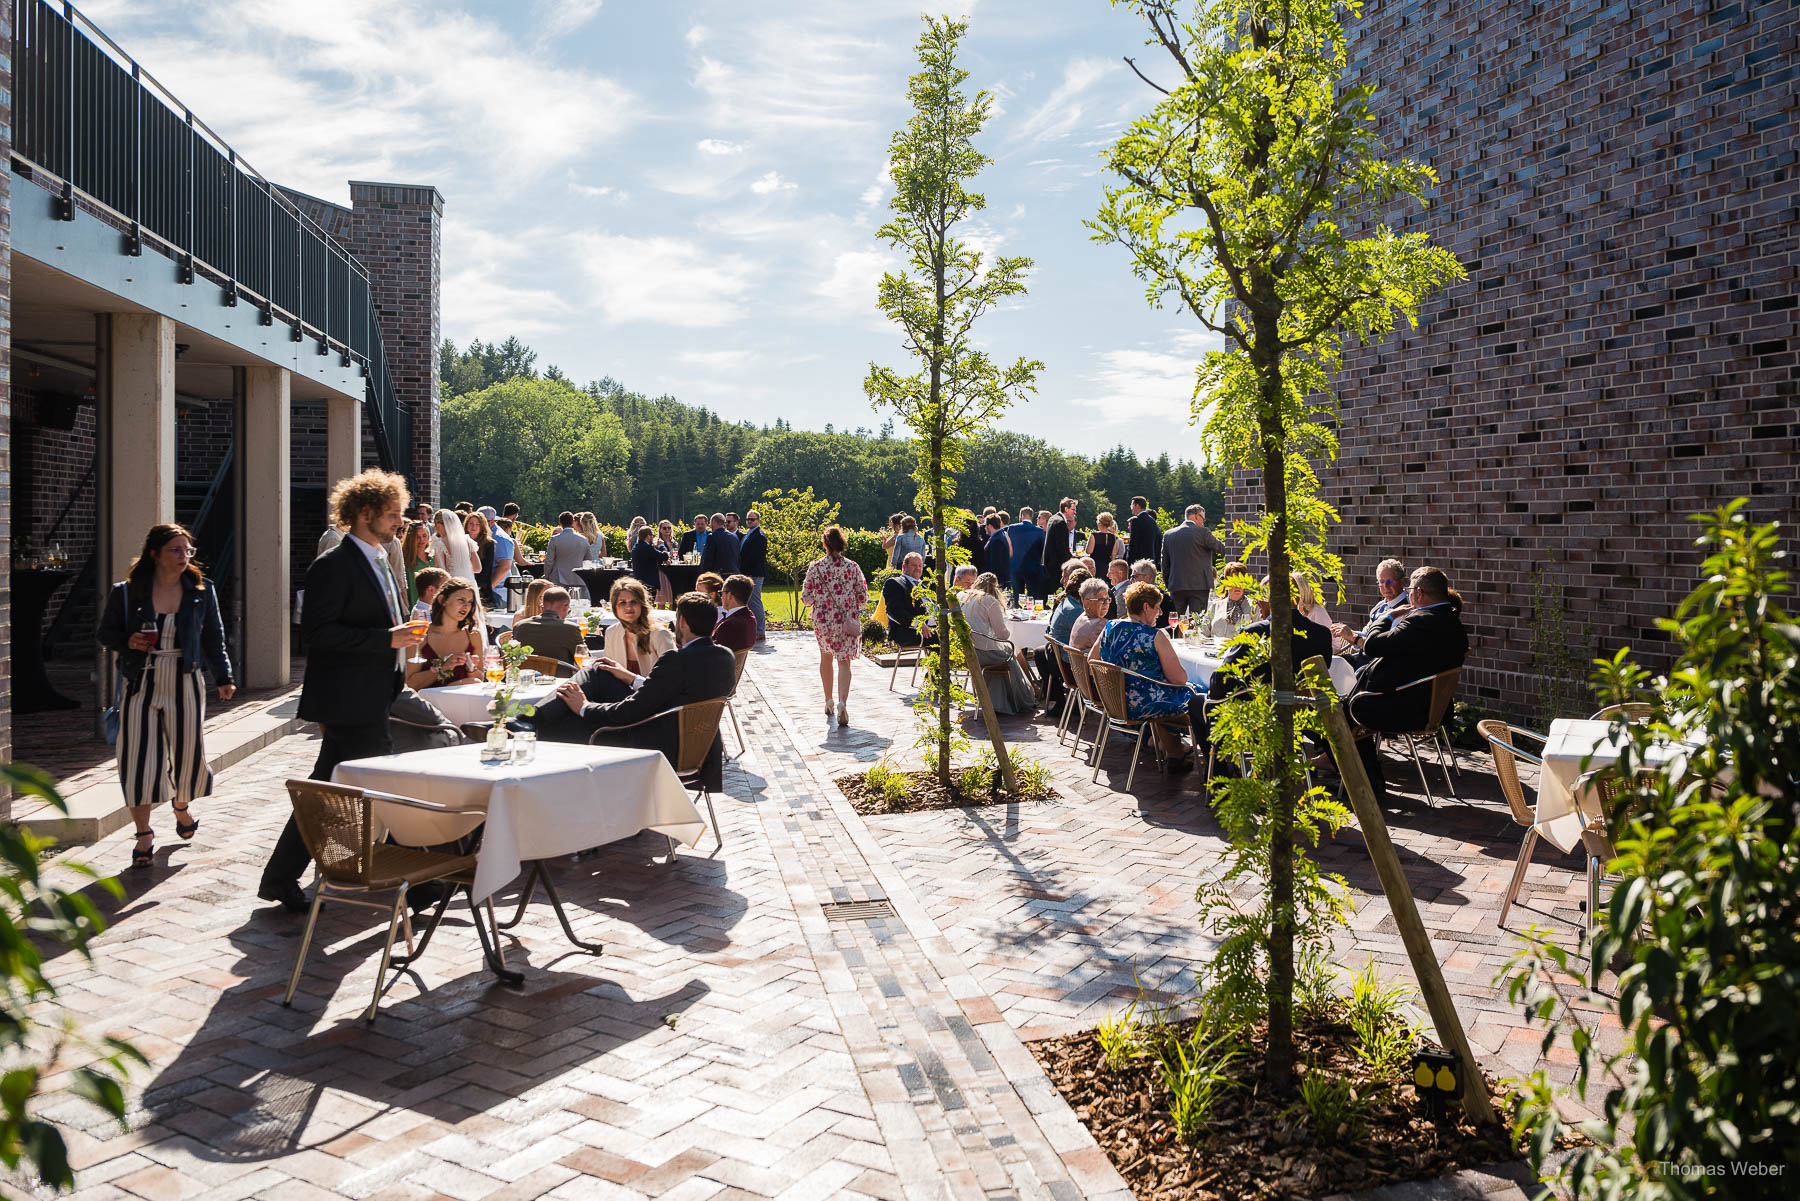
[[418, 625]]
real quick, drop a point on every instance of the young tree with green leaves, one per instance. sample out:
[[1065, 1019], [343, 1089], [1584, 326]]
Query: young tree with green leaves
[[792, 522], [1237, 197], [955, 390]]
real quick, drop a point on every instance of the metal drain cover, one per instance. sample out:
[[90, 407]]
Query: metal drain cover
[[857, 911]]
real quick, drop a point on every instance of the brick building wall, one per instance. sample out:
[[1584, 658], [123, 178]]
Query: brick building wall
[[395, 230], [1619, 180], [6, 481]]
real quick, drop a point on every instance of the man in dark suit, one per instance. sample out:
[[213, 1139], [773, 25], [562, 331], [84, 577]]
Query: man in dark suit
[[550, 632], [1145, 534], [352, 622], [1421, 638], [904, 608], [720, 554], [698, 671], [693, 541], [753, 561], [1025, 541], [1059, 543], [736, 630], [1307, 639]]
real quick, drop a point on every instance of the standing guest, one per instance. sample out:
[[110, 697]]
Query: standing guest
[[1134, 643], [463, 509], [415, 555], [665, 538], [647, 559], [505, 551], [753, 561], [1390, 581], [422, 512], [1024, 542], [994, 646], [588, 526], [566, 551], [455, 644], [450, 545], [731, 526], [836, 590], [1187, 561], [709, 584], [737, 627], [510, 511], [974, 540], [889, 536], [720, 554], [1103, 543], [334, 534], [698, 671], [550, 632], [904, 608], [693, 541], [1231, 610], [635, 641], [1118, 574], [1061, 542], [1145, 534], [1096, 603], [999, 550], [907, 542], [1421, 638], [477, 527], [430, 581], [355, 647], [163, 620]]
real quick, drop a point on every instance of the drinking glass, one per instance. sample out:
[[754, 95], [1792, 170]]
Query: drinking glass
[[580, 656], [524, 746], [418, 626]]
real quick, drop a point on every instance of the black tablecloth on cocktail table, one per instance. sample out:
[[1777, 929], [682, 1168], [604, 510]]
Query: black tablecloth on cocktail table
[[680, 578]]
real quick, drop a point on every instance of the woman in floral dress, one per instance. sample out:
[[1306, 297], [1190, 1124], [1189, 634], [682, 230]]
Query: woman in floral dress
[[1134, 643], [836, 590]]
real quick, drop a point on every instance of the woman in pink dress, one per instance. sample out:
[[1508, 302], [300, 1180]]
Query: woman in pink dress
[[835, 590]]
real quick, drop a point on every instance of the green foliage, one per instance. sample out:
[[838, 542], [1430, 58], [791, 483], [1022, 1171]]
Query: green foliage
[[1703, 1097], [1119, 1038], [483, 365], [887, 780], [1236, 198], [1315, 981], [538, 442], [1194, 1071], [1384, 1038], [955, 391], [1558, 655], [34, 1033], [793, 522], [1331, 1105], [863, 547], [1032, 776]]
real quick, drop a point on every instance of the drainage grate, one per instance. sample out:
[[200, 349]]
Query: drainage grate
[[857, 911]]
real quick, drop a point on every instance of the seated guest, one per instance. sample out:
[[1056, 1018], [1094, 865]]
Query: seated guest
[[1096, 604], [1421, 638], [698, 671], [415, 724], [550, 632], [710, 584], [533, 604], [1144, 572], [1062, 620], [720, 554], [453, 648], [429, 582], [1118, 574], [647, 559], [903, 607], [1231, 610], [1307, 639], [1134, 643], [736, 630], [982, 607], [1390, 581], [634, 642], [1306, 599]]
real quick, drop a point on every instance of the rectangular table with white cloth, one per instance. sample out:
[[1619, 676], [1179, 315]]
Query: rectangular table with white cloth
[[1028, 633], [569, 798], [1202, 660], [469, 701], [1572, 748]]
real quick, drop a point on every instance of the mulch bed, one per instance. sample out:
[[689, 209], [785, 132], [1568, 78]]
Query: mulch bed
[[925, 792], [1256, 1145]]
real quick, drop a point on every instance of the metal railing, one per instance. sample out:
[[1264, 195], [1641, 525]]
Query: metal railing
[[90, 123]]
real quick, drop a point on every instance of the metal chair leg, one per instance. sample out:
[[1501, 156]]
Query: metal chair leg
[[718, 834], [1412, 744], [732, 709], [1062, 727], [312, 920], [1526, 846], [1449, 753], [1137, 752], [1593, 889], [1099, 751], [387, 952]]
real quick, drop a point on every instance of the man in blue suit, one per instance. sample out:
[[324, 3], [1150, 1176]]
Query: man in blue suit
[[1027, 542]]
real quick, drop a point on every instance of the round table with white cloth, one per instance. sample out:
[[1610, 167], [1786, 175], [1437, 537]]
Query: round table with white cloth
[[1202, 660], [469, 701], [1028, 633]]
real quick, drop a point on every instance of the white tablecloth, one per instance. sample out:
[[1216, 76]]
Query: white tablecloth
[[1571, 744], [470, 701], [1027, 634], [666, 616], [1202, 663], [568, 799]]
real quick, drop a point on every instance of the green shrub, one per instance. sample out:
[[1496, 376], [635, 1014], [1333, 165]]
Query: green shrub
[[1703, 1097], [1331, 1105], [864, 548], [1119, 1038], [888, 780], [1194, 1073]]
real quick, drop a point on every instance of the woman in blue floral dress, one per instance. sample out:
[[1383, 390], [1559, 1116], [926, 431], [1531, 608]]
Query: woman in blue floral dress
[[1134, 643]]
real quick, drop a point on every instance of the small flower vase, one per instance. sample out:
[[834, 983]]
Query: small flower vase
[[512, 675], [496, 750]]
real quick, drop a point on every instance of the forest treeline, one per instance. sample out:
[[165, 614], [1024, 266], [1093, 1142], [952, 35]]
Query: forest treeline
[[511, 432]]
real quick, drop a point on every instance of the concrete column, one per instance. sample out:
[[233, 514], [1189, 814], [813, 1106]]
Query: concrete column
[[267, 590], [141, 400], [343, 439]]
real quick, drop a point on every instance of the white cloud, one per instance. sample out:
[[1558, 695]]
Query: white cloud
[[1147, 381], [850, 286], [696, 34], [562, 17], [771, 183], [718, 146], [1062, 112], [663, 280], [485, 288], [718, 360], [599, 191]]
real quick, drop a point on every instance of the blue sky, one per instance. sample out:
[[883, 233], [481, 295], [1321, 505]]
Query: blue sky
[[685, 196]]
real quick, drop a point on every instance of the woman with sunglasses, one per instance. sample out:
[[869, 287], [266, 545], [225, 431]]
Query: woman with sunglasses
[[163, 621]]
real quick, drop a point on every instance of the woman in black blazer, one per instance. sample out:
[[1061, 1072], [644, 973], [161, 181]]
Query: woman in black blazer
[[163, 621]]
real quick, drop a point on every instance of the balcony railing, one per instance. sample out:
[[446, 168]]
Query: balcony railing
[[100, 132]]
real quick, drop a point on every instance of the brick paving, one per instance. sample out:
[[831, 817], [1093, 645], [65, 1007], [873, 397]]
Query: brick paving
[[733, 1041]]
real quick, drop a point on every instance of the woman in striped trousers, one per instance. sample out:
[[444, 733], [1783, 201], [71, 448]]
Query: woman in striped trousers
[[163, 620]]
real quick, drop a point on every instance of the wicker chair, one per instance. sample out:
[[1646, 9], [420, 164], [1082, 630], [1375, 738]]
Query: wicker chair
[[1109, 688], [1443, 689], [1507, 754], [338, 825], [742, 657], [1631, 711], [1087, 702], [1059, 654], [545, 665], [699, 725], [1608, 786]]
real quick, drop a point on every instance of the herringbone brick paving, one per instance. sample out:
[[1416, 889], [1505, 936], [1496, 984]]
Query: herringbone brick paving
[[730, 1042]]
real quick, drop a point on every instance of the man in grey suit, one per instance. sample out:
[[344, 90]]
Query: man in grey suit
[[565, 551], [1187, 561]]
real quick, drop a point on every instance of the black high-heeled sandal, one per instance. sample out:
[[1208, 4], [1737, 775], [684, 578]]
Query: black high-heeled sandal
[[141, 856], [185, 829]]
